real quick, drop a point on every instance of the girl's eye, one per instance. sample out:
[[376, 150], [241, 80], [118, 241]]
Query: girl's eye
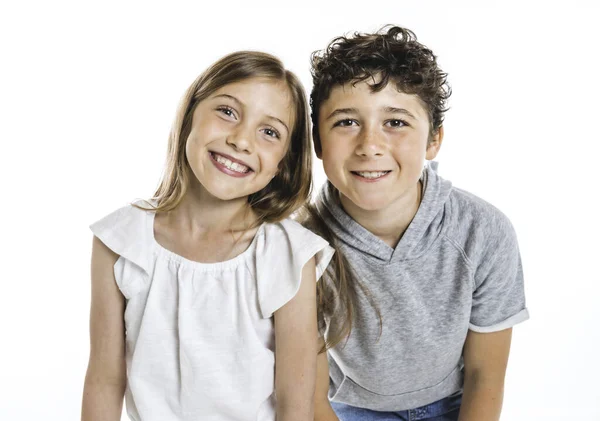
[[272, 133], [396, 123], [228, 111], [345, 123]]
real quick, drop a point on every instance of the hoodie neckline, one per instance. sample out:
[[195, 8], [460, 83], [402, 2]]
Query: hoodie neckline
[[419, 234]]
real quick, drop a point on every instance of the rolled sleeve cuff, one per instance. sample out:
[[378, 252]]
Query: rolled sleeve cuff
[[505, 324]]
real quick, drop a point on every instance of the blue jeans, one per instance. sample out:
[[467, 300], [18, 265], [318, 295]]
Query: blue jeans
[[443, 410]]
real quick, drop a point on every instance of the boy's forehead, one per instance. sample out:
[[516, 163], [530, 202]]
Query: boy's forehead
[[361, 98]]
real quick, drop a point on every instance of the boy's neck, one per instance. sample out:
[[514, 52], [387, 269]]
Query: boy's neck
[[390, 223]]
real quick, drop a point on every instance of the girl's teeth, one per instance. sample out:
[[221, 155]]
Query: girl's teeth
[[371, 174], [234, 166]]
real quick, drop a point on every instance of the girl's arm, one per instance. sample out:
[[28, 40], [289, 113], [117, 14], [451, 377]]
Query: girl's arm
[[486, 357], [296, 351], [323, 409], [105, 379]]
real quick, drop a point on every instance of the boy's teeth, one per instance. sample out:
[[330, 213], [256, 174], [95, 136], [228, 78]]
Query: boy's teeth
[[371, 174], [234, 166]]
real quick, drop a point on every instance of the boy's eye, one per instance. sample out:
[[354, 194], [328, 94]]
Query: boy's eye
[[271, 133], [347, 122], [396, 123]]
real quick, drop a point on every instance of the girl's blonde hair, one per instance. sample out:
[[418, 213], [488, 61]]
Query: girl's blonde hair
[[291, 187], [339, 289]]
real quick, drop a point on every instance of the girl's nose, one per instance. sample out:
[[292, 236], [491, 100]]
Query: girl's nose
[[241, 140]]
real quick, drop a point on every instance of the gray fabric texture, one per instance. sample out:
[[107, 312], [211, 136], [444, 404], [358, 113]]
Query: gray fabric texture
[[457, 267]]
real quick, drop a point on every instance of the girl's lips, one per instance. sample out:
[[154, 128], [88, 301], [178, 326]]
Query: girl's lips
[[225, 170], [232, 159]]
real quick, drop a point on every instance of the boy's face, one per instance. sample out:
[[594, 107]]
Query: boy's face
[[374, 144]]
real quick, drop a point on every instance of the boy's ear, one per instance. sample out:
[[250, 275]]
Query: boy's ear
[[317, 143], [434, 145]]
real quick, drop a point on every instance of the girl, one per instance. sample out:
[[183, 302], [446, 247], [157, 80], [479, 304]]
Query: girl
[[418, 309], [200, 292]]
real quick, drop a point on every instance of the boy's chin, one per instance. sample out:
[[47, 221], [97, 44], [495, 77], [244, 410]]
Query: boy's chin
[[368, 203]]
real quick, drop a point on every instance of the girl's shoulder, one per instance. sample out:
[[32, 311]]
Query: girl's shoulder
[[282, 250], [290, 238], [128, 232], [133, 213], [292, 233]]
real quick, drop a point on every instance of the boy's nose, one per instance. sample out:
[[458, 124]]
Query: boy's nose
[[369, 145]]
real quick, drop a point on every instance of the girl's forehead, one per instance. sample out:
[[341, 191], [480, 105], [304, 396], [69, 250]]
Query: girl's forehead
[[275, 91]]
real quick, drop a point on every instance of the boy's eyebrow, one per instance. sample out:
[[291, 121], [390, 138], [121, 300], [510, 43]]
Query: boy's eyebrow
[[384, 109], [342, 111], [399, 110], [242, 104]]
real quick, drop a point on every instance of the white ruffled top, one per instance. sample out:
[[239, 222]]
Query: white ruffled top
[[200, 336]]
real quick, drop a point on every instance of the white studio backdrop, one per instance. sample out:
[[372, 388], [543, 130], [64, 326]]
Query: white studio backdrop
[[88, 91]]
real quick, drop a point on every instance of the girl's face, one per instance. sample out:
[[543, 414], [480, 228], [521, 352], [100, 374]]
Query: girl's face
[[374, 144], [239, 135]]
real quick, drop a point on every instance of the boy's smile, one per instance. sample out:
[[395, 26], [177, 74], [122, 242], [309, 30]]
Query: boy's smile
[[374, 145]]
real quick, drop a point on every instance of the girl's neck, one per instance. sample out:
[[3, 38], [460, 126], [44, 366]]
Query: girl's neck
[[204, 229], [201, 212], [390, 223]]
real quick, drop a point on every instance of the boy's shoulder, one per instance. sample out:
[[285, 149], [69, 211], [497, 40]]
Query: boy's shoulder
[[475, 224], [470, 206]]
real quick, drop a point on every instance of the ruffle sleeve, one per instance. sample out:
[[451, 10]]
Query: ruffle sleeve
[[128, 233], [281, 253]]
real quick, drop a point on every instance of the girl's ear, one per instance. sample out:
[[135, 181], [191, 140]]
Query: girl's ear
[[434, 145]]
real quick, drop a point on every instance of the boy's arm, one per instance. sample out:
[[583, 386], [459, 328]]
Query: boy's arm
[[105, 379], [485, 356], [296, 351], [323, 410]]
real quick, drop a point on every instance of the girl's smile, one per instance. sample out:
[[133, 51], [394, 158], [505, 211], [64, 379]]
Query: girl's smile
[[230, 165]]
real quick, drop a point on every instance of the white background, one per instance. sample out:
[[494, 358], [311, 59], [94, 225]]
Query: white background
[[88, 92]]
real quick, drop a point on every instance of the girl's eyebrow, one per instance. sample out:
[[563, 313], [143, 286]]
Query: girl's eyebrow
[[230, 97], [270, 117]]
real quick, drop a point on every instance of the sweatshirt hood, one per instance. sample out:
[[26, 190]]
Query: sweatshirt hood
[[421, 233]]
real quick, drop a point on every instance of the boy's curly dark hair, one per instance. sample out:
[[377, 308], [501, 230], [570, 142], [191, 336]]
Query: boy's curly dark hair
[[390, 53]]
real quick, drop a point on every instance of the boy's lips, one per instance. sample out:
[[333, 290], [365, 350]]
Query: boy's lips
[[370, 175]]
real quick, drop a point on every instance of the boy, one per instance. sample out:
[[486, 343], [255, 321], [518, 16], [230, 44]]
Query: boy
[[418, 308]]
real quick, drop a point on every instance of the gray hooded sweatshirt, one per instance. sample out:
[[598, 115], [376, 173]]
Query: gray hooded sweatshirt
[[457, 267]]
